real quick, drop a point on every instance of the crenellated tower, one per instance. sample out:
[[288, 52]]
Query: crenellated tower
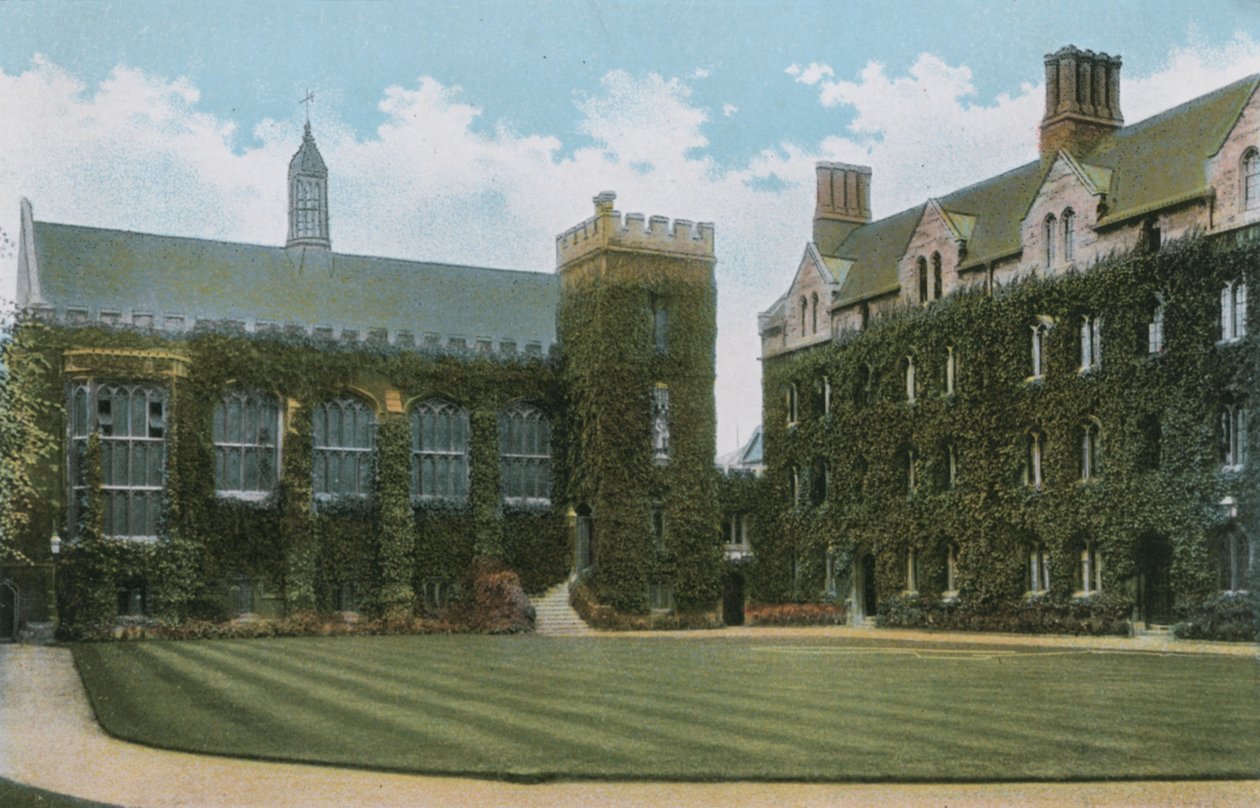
[[308, 196], [637, 325]]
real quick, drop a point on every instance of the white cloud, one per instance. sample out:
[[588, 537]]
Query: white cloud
[[701, 73], [811, 75], [137, 151]]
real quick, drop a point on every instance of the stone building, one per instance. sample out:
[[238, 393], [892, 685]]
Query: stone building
[[943, 383], [251, 429]]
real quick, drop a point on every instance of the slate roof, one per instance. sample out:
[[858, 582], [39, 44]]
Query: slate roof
[[307, 159], [1145, 166], [124, 271]]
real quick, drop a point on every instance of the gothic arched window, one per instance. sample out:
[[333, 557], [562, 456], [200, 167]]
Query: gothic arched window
[[1069, 234], [1034, 450], [439, 451], [922, 271], [1251, 179], [936, 276], [1091, 461], [246, 443], [660, 423], [525, 454], [343, 437], [1050, 232], [1233, 310]]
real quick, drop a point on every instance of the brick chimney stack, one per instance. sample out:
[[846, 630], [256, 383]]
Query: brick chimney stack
[[844, 203], [1082, 100]]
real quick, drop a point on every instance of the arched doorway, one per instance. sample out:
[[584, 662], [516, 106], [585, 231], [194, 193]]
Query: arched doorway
[[8, 612], [584, 544], [1154, 571], [865, 600], [733, 598]]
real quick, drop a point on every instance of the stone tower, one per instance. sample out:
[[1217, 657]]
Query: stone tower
[[843, 203], [1082, 100], [637, 324], [308, 196]]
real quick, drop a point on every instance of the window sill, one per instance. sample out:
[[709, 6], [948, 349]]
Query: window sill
[[949, 597], [1037, 595], [1233, 469], [1034, 380], [528, 502], [134, 539], [1231, 341], [244, 496], [1086, 597]]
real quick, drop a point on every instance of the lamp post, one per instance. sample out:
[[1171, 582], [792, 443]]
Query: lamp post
[[54, 546]]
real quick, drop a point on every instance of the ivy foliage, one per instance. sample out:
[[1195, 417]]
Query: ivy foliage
[[611, 366], [379, 550], [1161, 474]]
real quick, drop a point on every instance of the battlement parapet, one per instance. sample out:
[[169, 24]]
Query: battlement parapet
[[610, 229]]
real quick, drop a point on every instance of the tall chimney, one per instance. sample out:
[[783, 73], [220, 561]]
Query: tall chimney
[[1082, 100], [844, 203]]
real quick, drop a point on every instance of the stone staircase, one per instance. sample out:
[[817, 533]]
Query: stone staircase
[[555, 617]]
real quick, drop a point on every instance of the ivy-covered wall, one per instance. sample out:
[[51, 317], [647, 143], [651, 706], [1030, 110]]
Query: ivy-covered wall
[[1154, 483], [379, 551], [611, 365]]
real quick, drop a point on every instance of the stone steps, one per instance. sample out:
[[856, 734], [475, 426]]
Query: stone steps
[[554, 617]]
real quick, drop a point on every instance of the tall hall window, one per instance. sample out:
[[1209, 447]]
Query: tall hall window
[[819, 481], [131, 422], [1233, 311], [792, 402], [951, 370], [912, 571], [794, 486], [1155, 328], [660, 326], [909, 459], [824, 395], [1091, 449], [951, 465], [813, 313], [1251, 179], [936, 276], [660, 423], [525, 454], [907, 366], [804, 313], [1069, 235], [344, 439], [951, 571], [439, 451], [922, 271], [1049, 233], [1034, 450], [246, 444], [1091, 342], [1234, 434]]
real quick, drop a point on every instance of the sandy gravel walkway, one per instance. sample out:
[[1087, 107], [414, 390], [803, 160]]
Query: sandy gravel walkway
[[49, 738]]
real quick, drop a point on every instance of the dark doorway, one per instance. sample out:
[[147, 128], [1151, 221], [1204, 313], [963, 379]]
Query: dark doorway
[[733, 596], [8, 612], [584, 549], [865, 597], [1154, 566]]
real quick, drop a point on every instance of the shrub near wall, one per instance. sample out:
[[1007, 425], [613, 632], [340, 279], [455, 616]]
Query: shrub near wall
[[382, 545], [990, 515]]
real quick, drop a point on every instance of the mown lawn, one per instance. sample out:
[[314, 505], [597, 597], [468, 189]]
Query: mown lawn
[[635, 708]]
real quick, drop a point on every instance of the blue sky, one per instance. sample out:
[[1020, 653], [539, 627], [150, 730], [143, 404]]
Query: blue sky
[[474, 132]]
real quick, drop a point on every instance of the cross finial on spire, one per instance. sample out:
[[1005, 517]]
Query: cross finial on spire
[[310, 97]]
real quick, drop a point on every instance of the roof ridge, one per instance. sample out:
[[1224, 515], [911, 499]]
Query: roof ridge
[[282, 248]]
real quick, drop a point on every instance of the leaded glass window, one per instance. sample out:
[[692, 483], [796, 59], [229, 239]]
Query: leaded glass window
[[246, 444], [344, 439], [131, 422], [525, 454], [439, 451]]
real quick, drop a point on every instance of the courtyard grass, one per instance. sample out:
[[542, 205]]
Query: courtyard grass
[[534, 708]]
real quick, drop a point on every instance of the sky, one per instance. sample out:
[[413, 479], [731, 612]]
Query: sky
[[475, 132]]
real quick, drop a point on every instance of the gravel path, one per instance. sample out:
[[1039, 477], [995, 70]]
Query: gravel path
[[49, 739]]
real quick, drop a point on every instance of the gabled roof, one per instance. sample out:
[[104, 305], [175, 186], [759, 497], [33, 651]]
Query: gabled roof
[[1160, 160], [1143, 167], [124, 271]]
